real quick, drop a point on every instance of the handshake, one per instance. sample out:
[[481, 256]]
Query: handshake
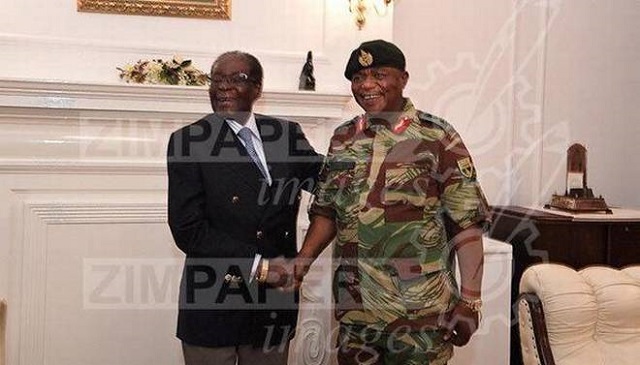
[[287, 273], [283, 273]]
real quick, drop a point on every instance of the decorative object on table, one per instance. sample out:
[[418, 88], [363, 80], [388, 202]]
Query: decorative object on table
[[173, 72], [307, 81], [210, 9], [578, 197]]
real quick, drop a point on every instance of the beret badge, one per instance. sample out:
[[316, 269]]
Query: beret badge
[[365, 58]]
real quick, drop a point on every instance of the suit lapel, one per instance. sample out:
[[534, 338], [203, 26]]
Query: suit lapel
[[274, 142]]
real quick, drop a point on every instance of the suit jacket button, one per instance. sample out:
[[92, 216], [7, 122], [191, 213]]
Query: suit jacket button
[[259, 235], [235, 199]]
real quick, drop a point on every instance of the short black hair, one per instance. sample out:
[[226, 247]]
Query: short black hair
[[255, 72]]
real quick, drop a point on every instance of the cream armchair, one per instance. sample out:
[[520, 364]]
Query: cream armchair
[[585, 317]]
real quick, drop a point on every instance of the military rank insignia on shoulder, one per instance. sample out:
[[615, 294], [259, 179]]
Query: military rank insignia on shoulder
[[429, 118], [346, 124]]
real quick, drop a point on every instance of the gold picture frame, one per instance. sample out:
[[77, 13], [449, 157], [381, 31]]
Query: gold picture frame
[[210, 9]]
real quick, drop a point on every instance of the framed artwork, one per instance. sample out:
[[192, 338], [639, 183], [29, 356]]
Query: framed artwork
[[211, 9]]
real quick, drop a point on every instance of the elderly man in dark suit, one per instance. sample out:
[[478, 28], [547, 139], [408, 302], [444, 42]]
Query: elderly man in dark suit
[[235, 180]]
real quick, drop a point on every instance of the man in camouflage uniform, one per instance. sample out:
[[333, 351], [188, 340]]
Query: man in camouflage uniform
[[399, 191]]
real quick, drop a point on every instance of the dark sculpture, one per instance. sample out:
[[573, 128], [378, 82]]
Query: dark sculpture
[[307, 81], [578, 197]]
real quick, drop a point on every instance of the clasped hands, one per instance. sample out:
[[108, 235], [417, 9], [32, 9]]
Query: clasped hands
[[284, 273]]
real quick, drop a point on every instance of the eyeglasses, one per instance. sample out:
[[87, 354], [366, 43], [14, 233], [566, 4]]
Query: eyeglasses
[[237, 79]]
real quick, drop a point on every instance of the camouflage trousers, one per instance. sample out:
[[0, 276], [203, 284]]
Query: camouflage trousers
[[363, 345]]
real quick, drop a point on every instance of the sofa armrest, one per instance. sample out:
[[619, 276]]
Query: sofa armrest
[[534, 340], [3, 325]]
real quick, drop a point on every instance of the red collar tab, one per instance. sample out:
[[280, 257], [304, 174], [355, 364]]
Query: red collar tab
[[360, 124], [401, 125], [399, 128]]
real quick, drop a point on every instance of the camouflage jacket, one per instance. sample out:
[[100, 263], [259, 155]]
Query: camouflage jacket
[[397, 194]]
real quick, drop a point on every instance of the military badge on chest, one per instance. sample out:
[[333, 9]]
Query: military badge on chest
[[466, 167]]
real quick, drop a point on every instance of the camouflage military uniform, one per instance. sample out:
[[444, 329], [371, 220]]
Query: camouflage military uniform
[[394, 193]]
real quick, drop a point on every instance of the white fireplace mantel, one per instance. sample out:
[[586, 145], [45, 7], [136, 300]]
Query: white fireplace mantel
[[158, 98], [88, 128]]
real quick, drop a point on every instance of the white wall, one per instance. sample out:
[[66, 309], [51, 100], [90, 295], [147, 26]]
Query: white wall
[[523, 80], [592, 96], [459, 57], [49, 39]]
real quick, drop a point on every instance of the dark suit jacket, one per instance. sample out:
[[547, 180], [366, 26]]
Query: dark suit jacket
[[222, 214]]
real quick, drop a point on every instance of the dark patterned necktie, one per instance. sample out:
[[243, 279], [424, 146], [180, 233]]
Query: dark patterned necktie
[[245, 135]]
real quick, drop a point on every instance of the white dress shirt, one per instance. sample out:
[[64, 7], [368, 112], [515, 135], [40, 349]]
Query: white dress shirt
[[255, 137]]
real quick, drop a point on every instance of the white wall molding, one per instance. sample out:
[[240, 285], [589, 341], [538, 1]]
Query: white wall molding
[[58, 166], [155, 48], [40, 209], [102, 213]]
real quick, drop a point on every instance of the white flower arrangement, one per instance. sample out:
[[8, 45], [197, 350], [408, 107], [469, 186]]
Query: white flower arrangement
[[174, 72]]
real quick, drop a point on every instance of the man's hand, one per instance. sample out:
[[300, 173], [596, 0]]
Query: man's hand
[[280, 273], [461, 323], [301, 268], [321, 232]]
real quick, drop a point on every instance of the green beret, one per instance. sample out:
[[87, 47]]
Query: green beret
[[376, 53]]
